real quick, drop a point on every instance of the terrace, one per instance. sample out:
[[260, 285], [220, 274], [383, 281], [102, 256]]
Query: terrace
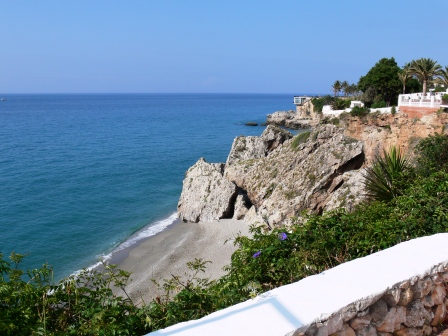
[[430, 100]]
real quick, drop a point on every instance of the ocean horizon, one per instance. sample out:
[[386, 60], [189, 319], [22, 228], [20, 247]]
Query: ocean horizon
[[85, 175]]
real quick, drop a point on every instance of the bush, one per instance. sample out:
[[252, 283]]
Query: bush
[[393, 110], [432, 154], [340, 104], [359, 111], [300, 139], [379, 104], [30, 303], [318, 103]]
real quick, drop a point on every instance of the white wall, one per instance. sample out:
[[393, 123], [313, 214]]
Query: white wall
[[349, 288]]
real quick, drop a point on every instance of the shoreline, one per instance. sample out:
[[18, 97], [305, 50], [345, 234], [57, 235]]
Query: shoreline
[[166, 254]]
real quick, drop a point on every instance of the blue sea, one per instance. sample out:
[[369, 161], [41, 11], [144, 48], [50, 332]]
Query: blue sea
[[83, 175]]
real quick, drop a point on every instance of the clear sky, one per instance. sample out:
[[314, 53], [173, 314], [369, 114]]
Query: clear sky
[[184, 46]]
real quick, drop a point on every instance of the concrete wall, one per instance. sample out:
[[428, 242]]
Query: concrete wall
[[400, 291]]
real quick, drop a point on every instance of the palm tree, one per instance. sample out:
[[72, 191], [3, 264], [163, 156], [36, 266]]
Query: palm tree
[[405, 75], [444, 76], [425, 69], [344, 87], [336, 87], [353, 89]]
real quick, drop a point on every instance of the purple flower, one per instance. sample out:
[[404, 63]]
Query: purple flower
[[256, 255], [282, 236]]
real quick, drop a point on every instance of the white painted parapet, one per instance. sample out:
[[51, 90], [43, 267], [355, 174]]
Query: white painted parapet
[[432, 99], [400, 290]]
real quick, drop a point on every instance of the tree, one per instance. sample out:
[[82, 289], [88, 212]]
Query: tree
[[444, 76], [336, 88], [353, 90], [425, 69], [404, 76], [345, 87], [383, 78]]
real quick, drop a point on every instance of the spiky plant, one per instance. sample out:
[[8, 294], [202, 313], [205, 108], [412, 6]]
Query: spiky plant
[[383, 180]]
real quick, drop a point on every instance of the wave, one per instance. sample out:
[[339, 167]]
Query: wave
[[148, 231]]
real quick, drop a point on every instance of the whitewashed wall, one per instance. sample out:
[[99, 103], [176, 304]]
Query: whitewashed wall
[[401, 290]]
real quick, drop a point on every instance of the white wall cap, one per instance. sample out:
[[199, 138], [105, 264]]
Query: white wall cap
[[285, 309]]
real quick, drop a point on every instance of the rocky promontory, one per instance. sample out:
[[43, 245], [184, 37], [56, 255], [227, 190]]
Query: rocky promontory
[[271, 178], [290, 119], [274, 177]]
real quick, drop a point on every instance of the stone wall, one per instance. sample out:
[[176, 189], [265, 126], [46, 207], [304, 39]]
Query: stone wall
[[413, 307]]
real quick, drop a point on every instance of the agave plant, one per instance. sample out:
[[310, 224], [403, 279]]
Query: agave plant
[[383, 180]]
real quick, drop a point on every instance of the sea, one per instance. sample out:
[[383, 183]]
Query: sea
[[85, 175]]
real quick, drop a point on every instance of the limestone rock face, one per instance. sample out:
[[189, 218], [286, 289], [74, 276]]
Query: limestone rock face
[[253, 147], [241, 207], [381, 131], [297, 177], [206, 194], [290, 119]]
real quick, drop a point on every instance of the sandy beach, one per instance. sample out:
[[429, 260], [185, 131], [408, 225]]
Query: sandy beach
[[166, 254]]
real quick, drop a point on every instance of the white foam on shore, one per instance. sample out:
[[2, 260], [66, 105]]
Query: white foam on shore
[[149, 231], [146, 232]]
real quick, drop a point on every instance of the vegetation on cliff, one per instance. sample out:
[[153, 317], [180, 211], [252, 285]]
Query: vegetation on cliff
[[31, 303], [383, 83]]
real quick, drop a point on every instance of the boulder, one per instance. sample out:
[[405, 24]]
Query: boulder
[[242, 205], [206, 194]]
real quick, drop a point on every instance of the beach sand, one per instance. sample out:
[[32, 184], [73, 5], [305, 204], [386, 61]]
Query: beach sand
[[166, 254]]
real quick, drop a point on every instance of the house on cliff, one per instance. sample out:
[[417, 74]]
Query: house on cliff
[[418, 105]]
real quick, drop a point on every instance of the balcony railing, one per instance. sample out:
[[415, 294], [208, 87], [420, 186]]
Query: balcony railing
[[431, 101]]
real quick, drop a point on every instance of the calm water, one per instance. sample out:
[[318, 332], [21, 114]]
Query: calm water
[[80, 174]]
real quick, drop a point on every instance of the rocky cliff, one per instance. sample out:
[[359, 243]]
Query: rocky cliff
[[381, 131], [291, 120], [271, 178], [274, 177]]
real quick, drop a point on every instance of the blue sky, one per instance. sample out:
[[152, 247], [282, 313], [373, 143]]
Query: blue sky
[[287, 46]]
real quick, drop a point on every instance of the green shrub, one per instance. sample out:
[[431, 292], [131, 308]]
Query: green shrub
[[379, 104], [393, 110], [432, 154], [318, 103], [340, 104], [359, 111], [300, 139]]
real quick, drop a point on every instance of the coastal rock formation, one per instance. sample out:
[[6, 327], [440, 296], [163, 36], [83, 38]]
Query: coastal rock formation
[[381, 131], [254, 147], [302, 176], [206, 194], [242, 205], [290, 119], [276, 178]]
